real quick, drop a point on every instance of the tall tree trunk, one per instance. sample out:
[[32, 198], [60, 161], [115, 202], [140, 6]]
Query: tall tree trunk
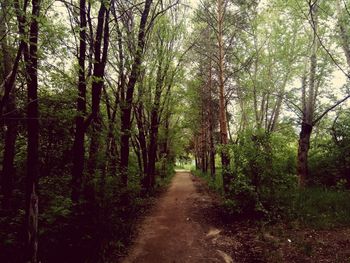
[[100, 59], [78, 150], [203, 134], [152, 153], [137, 150], [10, 122], [308, 100], [127, 104], [167, 133], [303, 150], [142, 137], [211, 126], [31, 218], [10, 75], [8, 170], [225, 158], [111, 149], [97, 84], [153, 141]]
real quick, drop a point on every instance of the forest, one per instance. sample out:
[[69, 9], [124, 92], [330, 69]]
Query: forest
[[102, 100]]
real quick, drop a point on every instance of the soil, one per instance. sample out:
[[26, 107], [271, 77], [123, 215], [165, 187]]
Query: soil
[[169, 233], [188, 224]]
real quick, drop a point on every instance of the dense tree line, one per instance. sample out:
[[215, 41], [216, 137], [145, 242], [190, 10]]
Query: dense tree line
[[275, 74], [88, 91]]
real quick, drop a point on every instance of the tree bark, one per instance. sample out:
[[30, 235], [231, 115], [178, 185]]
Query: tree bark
[[139, 113], [10, 122], [153, 141], [78, 150], [303, 150], [100, 60], [10, 75], [127, 104], [211, 126], [97, 83], [308, 101], [111, 149], [32, 199], [225, 158]]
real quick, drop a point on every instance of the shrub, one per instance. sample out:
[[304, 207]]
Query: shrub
[[263, 169]]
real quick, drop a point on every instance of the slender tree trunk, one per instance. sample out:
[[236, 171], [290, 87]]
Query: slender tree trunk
[[142, 138], [202, 131], [10, 122], [167, 132], [100, 60], [152, 152], [32, 212], [308, 100], [225, 158], [204, 127], [343, 33], [139, 114], [211, 126], [153, 142], [127, 104], [78, 150], [8, 170], [277, 109], [10, 75], [6, 52], [111, 149]]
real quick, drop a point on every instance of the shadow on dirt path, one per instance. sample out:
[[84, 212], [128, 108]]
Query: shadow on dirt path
[[169, 234]]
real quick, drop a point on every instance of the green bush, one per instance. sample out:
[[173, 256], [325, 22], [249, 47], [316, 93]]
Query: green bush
[[329, 157], [263, 168]]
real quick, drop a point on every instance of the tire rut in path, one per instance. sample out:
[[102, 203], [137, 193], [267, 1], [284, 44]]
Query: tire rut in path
[[168, 234]]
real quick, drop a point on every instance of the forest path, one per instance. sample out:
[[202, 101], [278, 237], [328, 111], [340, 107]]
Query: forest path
[[169, 234]]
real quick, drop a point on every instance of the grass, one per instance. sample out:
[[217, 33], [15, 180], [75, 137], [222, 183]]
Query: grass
[[323, 208], [318, 208], [215, 184]]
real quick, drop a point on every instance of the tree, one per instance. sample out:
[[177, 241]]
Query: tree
[[32, 200], [9, 102], [214, 15], [311, 83], [100, 60], [225, 157], [126, 105], [78, 150], [100, 52]]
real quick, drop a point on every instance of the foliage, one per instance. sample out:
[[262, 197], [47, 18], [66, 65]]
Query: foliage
[[329, 157], [264, 184], [322, 208], [98, 226], [263, 168]]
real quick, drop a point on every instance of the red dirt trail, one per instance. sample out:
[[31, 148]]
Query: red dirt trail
[[169, 235]]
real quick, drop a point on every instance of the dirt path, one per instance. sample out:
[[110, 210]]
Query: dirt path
[[169, 234]]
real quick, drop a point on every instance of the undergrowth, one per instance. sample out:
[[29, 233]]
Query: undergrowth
[[97, 231], [315, 207]]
